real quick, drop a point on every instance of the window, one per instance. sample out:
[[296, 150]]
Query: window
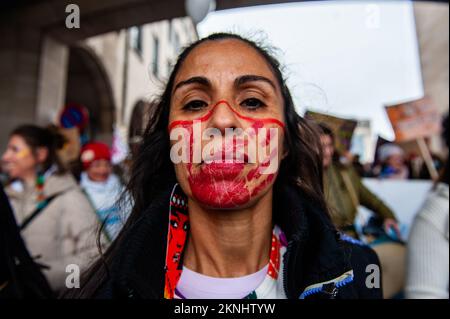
[[176, 42], [174, 38], [136, 39], [155, 62], [171, 31], [169, 66]]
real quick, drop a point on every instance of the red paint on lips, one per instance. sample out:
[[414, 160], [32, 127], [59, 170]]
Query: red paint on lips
[[219, 185], [222, 170]]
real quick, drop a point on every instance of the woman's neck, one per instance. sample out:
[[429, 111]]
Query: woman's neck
[[29, 179], [229, 243]]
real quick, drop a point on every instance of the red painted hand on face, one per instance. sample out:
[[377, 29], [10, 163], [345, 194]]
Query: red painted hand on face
[[230, 184]]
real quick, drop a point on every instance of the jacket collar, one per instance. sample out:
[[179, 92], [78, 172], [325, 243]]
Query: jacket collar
[[314, 255], [54, 183]]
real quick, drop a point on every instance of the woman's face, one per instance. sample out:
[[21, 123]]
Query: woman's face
[[396, 161], [226, 117], [327, 150], [18, 159], [99, 170]]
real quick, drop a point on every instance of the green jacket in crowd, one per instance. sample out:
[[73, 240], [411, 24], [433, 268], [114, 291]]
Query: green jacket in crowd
[[345, 191]]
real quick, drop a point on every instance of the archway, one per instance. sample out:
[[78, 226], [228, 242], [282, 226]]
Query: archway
[[89, 85]]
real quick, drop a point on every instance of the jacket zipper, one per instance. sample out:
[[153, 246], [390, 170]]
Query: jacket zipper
[[329, 288]]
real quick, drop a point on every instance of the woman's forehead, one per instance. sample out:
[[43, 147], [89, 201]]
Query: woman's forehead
[[224, 59], [18, 140]]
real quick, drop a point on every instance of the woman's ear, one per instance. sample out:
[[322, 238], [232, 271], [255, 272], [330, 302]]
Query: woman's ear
[[41, 154]]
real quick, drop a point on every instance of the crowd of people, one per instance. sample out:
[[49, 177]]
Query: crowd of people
[[175, 230], [393, 162], [56, 211]]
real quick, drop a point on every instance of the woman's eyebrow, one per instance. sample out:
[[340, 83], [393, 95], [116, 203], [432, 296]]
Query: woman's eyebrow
[[237, 82], [252, 78], [195, 79]]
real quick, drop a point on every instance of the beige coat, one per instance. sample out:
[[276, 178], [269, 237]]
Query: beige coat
[[64, 232]]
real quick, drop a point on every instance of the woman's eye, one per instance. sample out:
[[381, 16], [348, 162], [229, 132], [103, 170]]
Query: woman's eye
[[14, 148], [195, 105], [252, 103]]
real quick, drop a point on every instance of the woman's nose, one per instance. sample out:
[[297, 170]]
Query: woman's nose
[[223, 117], [6, 156]]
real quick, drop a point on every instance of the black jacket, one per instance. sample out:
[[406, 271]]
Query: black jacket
[[316, 254], [20, 276]]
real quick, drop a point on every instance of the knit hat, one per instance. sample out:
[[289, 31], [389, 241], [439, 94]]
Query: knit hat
[[387, 150], [94, 151]]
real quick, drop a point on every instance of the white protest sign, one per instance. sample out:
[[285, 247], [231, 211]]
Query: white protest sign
[[404, 197]]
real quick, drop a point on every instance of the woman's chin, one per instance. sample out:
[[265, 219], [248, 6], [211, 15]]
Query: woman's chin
[[222, 198], [225, 200]]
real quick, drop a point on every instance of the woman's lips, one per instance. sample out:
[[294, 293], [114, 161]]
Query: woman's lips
[[236, 155], [222, 170]]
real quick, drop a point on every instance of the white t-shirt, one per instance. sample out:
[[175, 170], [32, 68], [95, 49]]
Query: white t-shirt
[[266, 283], [193, 285]]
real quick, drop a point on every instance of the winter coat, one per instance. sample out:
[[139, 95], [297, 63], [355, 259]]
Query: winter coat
[[317, 261], [63, 233], [344, 192]]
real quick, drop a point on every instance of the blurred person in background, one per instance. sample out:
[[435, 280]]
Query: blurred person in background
[[428, 247], [56, 220], [393, 162], [438, 163], [345, 191], [103, 187], [391, 250]]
